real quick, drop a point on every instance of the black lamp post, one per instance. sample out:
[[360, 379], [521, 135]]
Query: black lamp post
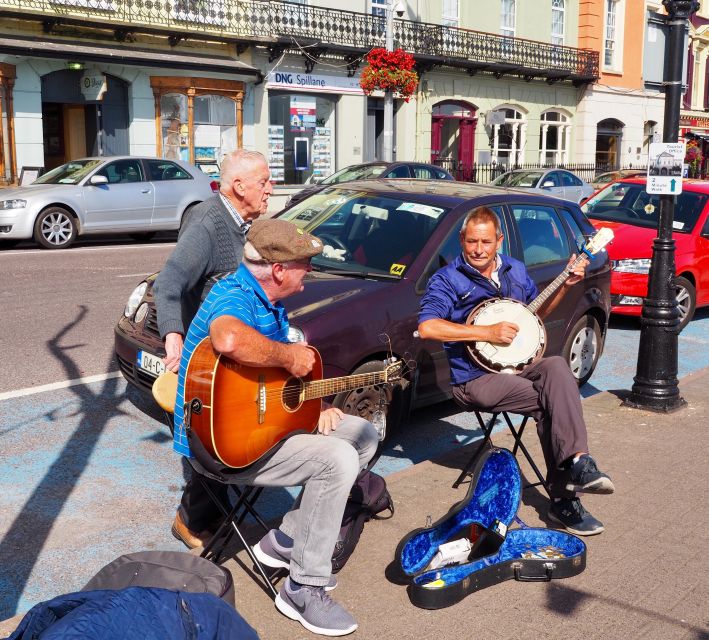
[[655, 387]]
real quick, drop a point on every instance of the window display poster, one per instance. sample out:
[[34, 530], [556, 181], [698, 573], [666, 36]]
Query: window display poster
[[202, 154], [302, 113], [207, 135], [322, 152], [275, 153], [301, 154]]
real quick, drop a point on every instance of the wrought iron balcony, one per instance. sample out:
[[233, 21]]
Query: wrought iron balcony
[[283, 25]]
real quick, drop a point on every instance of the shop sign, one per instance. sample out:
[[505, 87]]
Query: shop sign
[[319, 82], [93, 85], [302, 114]]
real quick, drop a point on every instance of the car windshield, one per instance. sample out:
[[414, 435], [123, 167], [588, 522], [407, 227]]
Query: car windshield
[[631, 204], [519, 179], [366, 234], [359, 172], [69, 173]]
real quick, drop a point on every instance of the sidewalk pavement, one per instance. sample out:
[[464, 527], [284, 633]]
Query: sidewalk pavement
[[646, 576]]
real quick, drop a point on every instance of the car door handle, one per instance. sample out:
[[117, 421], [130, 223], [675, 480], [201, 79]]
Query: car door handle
[[145, 191]]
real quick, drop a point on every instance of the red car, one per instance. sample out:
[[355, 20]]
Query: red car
[[632, 213]]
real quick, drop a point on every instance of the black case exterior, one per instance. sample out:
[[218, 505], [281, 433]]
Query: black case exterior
[[174, 570], [498, 553]]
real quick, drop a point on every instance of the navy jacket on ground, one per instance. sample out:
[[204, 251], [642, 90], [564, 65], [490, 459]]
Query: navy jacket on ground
[[135, 613]]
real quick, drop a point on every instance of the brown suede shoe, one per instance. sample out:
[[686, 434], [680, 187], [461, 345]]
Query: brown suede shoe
[[192, 539]]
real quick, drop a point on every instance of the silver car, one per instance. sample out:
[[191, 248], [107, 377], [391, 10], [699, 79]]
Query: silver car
[[119, 194], [555, 182]]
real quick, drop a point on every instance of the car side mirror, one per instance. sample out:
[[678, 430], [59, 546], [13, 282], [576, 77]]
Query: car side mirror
[[547, 184], [98, 179], [315, 180]]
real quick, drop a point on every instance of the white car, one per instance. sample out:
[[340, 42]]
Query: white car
[[118, 194], [551, 182]]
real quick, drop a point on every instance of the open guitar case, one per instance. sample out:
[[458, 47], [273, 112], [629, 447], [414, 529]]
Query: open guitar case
[[441, 576]]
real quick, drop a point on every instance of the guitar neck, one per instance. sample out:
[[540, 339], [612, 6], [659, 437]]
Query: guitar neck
[[551, 288], [314, 389]]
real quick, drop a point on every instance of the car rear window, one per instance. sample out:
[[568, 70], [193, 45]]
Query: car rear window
[[631, 204], [366, 233]]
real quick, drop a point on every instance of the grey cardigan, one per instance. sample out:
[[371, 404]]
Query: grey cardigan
[[209, 243]]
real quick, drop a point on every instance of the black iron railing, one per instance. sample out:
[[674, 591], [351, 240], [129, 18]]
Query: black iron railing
[[284, 23], [486, 173]]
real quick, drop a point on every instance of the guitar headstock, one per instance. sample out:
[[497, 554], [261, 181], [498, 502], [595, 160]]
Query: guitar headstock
[[600, 239], [393, 370]]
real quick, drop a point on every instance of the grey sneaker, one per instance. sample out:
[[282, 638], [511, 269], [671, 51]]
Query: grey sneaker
[[586, 478], [315, 610], [570, 513], [274, 550]]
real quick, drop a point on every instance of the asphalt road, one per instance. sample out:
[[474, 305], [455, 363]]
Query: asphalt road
[[59, 308]]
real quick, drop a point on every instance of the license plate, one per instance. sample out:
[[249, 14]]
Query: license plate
[[149, 362]]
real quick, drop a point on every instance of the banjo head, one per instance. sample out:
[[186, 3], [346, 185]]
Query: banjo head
[[527, 347]]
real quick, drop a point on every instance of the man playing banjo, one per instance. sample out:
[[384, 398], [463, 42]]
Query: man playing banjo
[[546, 389]]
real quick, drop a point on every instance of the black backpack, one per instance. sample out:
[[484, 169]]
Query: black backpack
[[368, 498]]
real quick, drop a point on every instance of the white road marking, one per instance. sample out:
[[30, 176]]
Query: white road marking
[[18, 393], [122, 247], [134, 275]]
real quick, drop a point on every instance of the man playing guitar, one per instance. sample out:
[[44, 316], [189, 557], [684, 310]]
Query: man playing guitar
[[545, 389], [246, 322]]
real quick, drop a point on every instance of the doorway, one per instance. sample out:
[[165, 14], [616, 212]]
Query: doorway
[[374, 130], [73, 127], [453, 125], [609, 135]]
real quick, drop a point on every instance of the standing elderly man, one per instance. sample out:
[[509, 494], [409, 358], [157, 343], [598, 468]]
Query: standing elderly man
[[210, 245], [247, 323]]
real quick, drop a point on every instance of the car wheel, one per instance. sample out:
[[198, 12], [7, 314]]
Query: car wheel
[[582, 348], [686, 300], [55, 228], [365, 401]]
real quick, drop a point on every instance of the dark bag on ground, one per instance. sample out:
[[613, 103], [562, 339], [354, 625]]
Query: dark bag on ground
[[175, 570], [473, 547], [368, 498]]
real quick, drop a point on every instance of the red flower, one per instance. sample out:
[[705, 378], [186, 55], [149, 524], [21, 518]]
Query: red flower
[[389, 71]]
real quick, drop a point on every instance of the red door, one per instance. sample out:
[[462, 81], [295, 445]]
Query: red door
[[466, 146], [436, 130]]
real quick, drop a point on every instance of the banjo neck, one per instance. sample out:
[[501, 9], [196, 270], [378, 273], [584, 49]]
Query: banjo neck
[[551, 288]]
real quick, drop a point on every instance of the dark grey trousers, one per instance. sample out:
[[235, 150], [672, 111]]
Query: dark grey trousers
[[548, 392]]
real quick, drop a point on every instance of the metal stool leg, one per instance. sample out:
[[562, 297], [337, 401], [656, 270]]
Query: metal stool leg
[[487, 430], [517, 434]]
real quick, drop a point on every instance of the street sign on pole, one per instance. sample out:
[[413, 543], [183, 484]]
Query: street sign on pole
[[664, 168]]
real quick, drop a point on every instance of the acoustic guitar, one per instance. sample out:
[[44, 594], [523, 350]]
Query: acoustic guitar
[[240, 413], [529, 344]]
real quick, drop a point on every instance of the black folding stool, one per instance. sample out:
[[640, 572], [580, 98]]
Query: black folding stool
[[204, 467], [487, 440]]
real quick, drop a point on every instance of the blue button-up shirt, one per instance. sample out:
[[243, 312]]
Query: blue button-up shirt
[[238, 295]]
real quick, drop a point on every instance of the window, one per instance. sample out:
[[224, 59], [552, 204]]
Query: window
[[554, 136], [214, 127], [175, 133], [301, 136], [399, 172], [570, 180], [451, 13], [122, 171], [160, 170], [613, 36], [557, 22], [542, 235], [507, 18], [507, 140], [579, 236], [378, 8]]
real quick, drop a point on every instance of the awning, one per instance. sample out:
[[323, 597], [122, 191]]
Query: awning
[[37, 48]]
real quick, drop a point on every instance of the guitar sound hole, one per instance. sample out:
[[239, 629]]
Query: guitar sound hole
[[291, 394]]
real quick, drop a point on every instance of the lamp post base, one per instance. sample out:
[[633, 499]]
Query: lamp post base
[[656, 402]]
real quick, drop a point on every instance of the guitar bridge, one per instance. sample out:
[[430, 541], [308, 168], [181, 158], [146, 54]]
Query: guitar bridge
[[261, 399]]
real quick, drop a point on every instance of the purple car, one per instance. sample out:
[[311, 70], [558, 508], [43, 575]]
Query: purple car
[[383, 241]]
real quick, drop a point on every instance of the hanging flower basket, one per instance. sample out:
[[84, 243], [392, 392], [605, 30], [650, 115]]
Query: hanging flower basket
[[389, 71], [693, 159]]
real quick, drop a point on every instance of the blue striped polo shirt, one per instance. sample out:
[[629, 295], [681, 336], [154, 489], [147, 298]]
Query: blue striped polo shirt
[[238, 295]]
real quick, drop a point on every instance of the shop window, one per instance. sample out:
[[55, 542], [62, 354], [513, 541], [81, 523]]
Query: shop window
[[199, 119], [175, 127], [301, 137], [214, 127]]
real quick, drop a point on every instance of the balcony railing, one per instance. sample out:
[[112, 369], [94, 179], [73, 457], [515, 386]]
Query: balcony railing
[[286, 24]]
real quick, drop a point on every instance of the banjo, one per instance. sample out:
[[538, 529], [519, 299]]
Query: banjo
[[530, 342]]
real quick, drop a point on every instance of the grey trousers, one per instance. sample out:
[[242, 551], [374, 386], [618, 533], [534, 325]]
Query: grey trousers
[[548, 392], [326, 467]]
